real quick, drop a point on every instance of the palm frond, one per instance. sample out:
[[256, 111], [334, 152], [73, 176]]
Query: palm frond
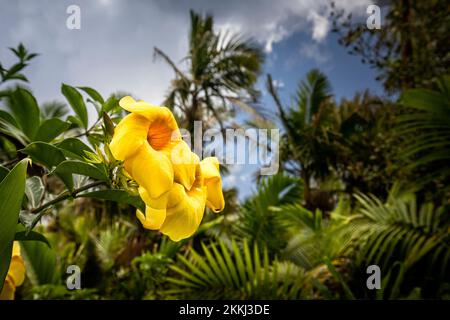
[[236, 273], [257, 222]]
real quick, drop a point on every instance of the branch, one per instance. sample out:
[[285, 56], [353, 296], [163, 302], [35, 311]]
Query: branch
[[63, 196], [86, 133]]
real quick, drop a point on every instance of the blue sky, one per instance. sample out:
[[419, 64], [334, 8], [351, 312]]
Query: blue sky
[[113, 49]]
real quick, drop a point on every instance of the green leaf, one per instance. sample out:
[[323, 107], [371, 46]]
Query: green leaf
[[26, 111], [34, 190], [74, 148], [49, 156], [23, 235], [109, 125], [44, 153], [110, 104], [93, 94], [423, 99], [76, 102], [76, 121], [40, 262], [3, 173], [8, 118], [12, 189], [348, 293], [50, 129], [120, 196], [80, 167]]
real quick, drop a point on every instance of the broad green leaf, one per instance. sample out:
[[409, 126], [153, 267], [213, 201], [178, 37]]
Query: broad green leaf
[[34, 190], [26, 111], [10, 130], [49, 156], [76, 102], [110, 104], [74, 148], [120, 196], [8, 118], [80, 167], [44, 153], [50, 129], [3, 173], [40, 262], [23, 235], [12, 189], [93, 94]]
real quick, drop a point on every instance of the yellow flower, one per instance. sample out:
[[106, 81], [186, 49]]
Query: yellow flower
[[174, 184], [15, 276], [185, 207], [144, 140], [213, 183]]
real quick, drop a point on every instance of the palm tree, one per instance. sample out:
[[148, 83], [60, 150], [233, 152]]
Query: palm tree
[[307, 151], [222, 71]]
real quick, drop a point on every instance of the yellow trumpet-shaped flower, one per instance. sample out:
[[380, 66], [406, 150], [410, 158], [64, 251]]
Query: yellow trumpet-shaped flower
[[145, 140], [15, 276], [184, 208], [174, 184]]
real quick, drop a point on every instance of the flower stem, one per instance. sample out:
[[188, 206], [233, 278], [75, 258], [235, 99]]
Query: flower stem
[[63, 196]]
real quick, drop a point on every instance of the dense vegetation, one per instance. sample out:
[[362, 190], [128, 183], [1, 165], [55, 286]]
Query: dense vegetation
[[363, 181]]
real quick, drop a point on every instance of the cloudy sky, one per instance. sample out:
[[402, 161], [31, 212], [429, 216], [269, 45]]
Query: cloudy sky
[[113, 50]]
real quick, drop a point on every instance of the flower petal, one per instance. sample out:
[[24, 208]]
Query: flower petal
[[154, 114], [211, 175], [8, 290], [129, 135], [16, 249], [151, 169], [184, 212], [152, 219], [17, 270], [155, 210], [184, 163]]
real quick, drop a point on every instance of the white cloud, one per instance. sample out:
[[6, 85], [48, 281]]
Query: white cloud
[[320, 26], [114, 48]]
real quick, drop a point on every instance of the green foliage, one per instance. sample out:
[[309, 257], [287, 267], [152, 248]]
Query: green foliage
[[49, 156], [429, 115], [82, 168], [50, 129], [12, 189], [26, 111], [77, 103], [257, 222], [399, 233], [14, 72], [223, 273], [40, 262], [402, 51], [307, 150], [116, 195]]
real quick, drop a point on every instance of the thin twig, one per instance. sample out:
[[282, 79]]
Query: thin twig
[[63, 196]]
